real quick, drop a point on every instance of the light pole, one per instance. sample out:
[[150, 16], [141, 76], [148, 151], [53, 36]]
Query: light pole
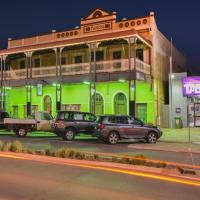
[[170, 83]]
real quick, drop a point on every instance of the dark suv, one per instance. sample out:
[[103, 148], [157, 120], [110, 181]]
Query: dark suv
[[3, 115], [113, 128], [69, 123]]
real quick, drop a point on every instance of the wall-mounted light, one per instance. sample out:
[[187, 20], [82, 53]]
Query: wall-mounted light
[[86, 82], [122, 80], [172, 76]]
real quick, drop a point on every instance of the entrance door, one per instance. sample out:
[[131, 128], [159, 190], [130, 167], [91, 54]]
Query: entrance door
[[120, 104], [197, 114], [141, 111], [99, 105], [47, 104]]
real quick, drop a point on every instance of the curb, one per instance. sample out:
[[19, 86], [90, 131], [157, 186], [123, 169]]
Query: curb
[[100, 166]]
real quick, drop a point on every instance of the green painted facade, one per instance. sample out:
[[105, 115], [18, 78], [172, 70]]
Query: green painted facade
[[79, 94]]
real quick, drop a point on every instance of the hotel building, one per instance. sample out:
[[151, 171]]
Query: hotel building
[[104, 66]]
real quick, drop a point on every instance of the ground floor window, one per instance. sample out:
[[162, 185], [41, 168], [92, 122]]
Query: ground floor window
[[99, 105], [47, 104], [71, 107], [120, 104], [141, 111], [15, 111], [34, 109]]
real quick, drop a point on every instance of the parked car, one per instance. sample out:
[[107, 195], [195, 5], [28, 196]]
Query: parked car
[[69, 123], [40, 121], [113, 128], [3, 115]]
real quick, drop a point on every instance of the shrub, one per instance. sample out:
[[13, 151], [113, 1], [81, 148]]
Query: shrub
[[61, 153], [79, 155], [114, 159], [70, 153], [125, 159], [141, 156], [16, 147], [135, 161], [1, 145], [96, 157], [149, 164], [47, 152], [7, 146]]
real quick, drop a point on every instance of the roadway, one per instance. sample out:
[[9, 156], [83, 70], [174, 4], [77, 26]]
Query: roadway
[[38, 141], [30, 180]]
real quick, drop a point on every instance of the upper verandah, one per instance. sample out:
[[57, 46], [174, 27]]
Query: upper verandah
[[98, 23]]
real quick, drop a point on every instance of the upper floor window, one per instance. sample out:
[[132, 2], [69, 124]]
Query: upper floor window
[[99, 56], [22, 64], [63, 61], [117, 55], [139, 54], [37, 62], [78, 59]]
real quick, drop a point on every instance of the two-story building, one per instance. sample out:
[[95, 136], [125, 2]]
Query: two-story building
[[103, 66]]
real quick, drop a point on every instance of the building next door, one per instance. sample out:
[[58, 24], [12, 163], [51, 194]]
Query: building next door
[[120, 104], [141, 111], [47, 104], [99, 105]]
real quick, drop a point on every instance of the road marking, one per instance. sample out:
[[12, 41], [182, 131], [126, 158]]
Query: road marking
[[112, 169], [11, 156]]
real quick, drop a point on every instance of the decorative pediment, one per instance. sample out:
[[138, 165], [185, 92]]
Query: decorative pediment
[[97, 13]]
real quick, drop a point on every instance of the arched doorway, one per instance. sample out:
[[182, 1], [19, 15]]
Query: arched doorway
[[120, 104], [47, 104], [99, 105]]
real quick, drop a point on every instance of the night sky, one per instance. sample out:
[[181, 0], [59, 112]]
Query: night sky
[[175, 18]]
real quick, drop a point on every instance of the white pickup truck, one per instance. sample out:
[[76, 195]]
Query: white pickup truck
[[40, 121]]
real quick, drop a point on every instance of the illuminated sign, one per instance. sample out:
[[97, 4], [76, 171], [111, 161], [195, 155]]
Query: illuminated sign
[[191, 86]]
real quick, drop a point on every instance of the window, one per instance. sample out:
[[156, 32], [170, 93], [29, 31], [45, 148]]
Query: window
[[34, 108], [123, 120], [78, 59], [64, 116], [89, 117], [99, 56], [78, 116], [37, 62], [22, 64], [117, 55], [139, 54], [63, 61], [71, 107], [45, 116], [15, 111]]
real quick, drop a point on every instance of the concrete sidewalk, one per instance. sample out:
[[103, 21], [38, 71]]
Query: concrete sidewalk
[[168, 146]]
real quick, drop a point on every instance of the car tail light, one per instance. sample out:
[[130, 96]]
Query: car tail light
[[101, 126]]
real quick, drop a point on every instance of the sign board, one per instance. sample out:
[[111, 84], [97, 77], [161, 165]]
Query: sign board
[[39, 90], [191, 86], [178, 110]]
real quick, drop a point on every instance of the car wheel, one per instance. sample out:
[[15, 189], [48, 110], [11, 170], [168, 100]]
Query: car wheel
[[113, 138], [21, 132], [151, 138], [69, 134]]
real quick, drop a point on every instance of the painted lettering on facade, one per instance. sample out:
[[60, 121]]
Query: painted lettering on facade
[[97, 27]]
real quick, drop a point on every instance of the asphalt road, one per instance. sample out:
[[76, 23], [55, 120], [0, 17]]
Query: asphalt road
[[92, 144], [30, 180]]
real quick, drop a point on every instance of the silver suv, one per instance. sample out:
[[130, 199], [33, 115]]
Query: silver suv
[[112, 128]]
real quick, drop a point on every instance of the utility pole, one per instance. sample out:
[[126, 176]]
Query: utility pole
[[170, 83]]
